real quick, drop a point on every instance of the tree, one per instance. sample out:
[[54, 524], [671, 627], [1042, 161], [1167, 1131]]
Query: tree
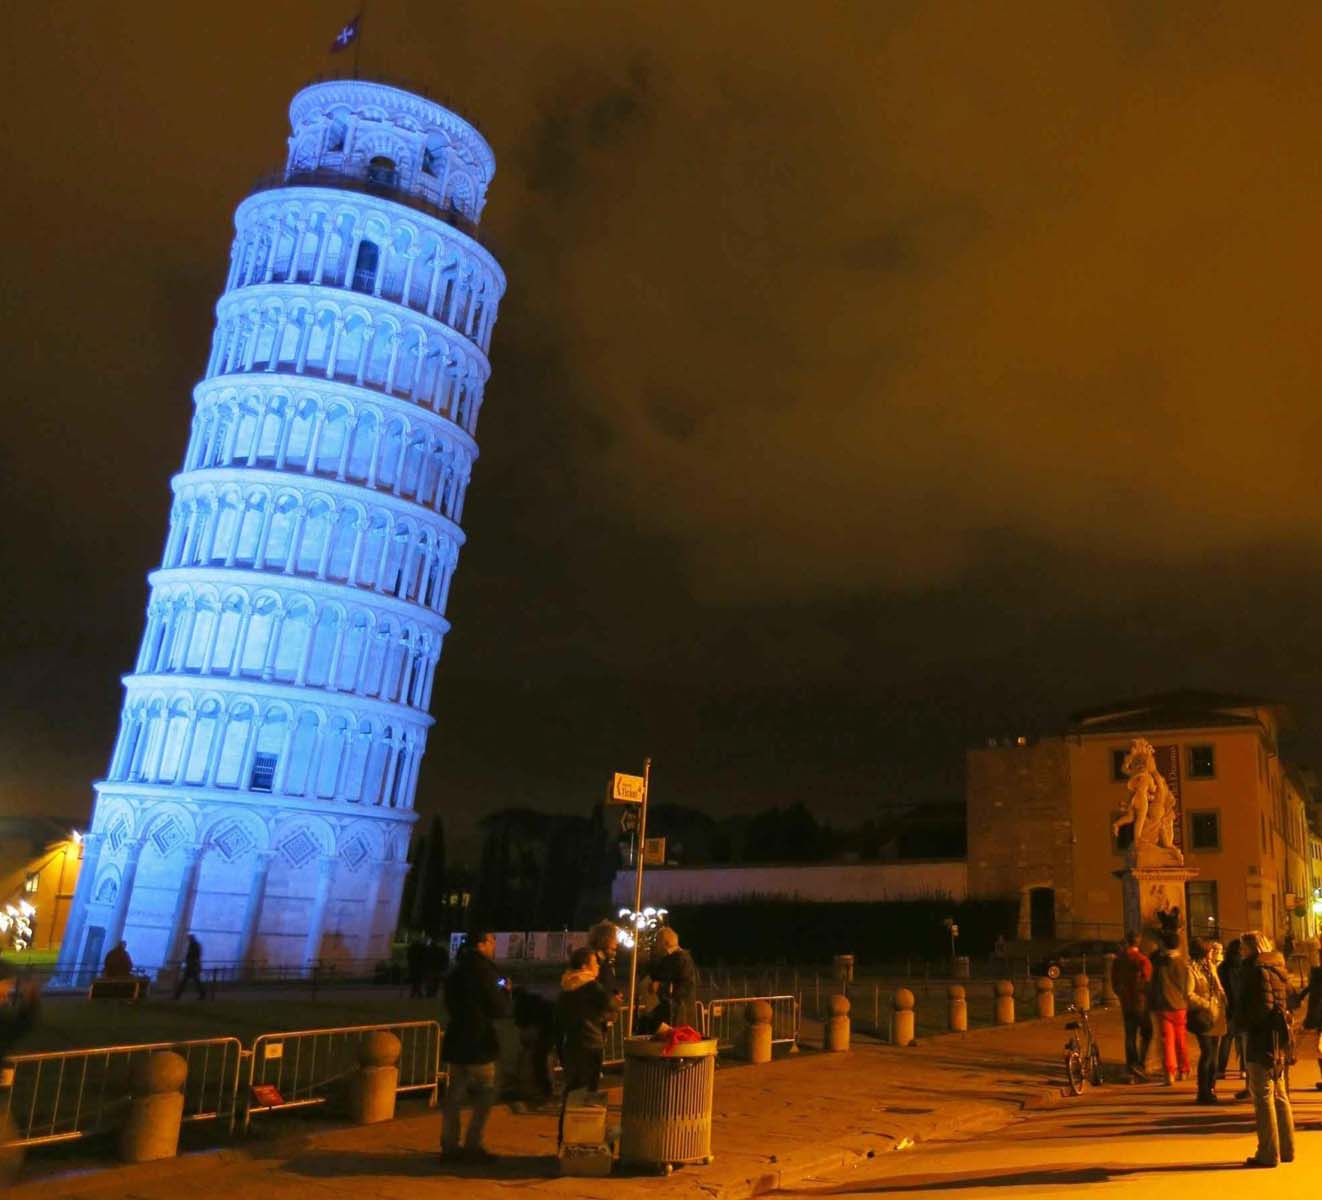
[[430, 890]]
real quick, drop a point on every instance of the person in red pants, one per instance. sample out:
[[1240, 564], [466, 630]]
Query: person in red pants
[[1168, 1001]]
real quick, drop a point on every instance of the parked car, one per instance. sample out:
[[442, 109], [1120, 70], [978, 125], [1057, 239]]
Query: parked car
[[1070, 957]]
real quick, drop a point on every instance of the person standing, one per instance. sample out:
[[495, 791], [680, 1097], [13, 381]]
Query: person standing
[[1207, 1015], [604, 940], [1131, 972], [1313, 1015], [1264, 1017], [475, 997], [1168, 999], [192, 970], [581, 1012], [1229, 973], [675, 978]]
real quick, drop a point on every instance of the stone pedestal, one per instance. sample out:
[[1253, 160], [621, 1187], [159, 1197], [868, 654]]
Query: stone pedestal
[[1149, 887], [151, 1130], [757, 1032]]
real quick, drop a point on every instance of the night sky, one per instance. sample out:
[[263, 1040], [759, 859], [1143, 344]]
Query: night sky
[[873, 377]]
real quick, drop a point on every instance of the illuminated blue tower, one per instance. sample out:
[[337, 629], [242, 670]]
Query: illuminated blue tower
[[260, 792]]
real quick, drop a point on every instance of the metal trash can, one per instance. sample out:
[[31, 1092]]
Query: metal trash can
[[665, 1120]]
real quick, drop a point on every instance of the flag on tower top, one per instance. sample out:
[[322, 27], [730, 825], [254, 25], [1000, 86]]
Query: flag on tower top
[[347, 36]]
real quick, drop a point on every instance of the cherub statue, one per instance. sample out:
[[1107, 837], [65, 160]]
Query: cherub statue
[[1151, 805]]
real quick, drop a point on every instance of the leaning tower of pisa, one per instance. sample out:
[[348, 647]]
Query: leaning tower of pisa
[[260, 792]]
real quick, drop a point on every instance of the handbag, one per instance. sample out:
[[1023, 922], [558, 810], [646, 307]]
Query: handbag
[[1200, 1020]]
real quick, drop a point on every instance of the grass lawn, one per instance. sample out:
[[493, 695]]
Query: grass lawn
[[74, 1022]]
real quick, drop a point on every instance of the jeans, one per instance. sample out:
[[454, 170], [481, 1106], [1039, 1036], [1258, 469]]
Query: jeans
[[582, 1070], [1208, 1046], [1271, 1108], [479, 1081], [1174, 1052], [1223, 1056], [1138, 1037]]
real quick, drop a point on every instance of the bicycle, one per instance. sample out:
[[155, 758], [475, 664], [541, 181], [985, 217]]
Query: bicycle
[[1083, 1059]]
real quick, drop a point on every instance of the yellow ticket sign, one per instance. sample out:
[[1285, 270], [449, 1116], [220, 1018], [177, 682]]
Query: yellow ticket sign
[[627, 789]]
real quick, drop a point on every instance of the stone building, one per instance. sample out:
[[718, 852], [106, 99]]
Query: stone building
[[39, 862], [260, 792], [1041, 811]]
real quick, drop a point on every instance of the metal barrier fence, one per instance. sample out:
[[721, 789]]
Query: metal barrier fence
[[723, 1019], [304, 1066], [68, 1094]]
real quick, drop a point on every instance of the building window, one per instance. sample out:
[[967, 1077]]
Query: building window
[[1205, 830], [382, 173], [364, 267], [1202, 762], [31, 883], [1118, 766], [263, 772], [1204, 917]]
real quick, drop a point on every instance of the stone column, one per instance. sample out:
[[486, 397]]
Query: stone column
[[72, 942], [115, 930], [317, 917], [253, 913], [183, 905]]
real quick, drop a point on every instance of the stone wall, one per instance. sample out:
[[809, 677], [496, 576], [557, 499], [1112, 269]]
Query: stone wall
[[1020, 835]]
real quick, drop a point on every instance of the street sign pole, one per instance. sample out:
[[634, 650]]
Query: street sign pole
[[638, 896]]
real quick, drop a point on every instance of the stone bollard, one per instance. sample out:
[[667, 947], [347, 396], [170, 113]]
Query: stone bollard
[[1046, 997], [959, 1010], [156, 1108], [1004, 1002], [1082, 993], [1108, 991], [837, 1026], [902, 1018], [757, 1031], [372, 1087]]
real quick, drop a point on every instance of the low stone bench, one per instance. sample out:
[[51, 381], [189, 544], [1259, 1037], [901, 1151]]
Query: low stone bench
[[117, 989]]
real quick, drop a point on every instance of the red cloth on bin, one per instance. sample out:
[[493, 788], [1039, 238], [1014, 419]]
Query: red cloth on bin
[[676, 1035]]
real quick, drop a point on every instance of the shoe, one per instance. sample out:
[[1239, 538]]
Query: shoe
[[1170, 1079], [1242, 1095], [1253, 1162], [1318, 1086], [479, 1154], [1138, 1076]]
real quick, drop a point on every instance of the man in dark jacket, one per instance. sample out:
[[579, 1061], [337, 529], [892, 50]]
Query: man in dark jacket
[[675, 978], [582, 1011], [192, 970], [1168, 1000], [1264, 1006], [1131, 972], [475, 996], [604, 939]]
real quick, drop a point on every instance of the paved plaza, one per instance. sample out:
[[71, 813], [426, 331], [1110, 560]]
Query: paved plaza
[[976, 1115]]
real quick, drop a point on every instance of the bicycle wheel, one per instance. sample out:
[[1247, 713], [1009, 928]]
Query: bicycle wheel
[[1094, 1065], [1074, 1072]]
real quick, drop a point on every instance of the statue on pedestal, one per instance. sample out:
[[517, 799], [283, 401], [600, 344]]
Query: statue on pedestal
[[1150, 809], [1154, 877]]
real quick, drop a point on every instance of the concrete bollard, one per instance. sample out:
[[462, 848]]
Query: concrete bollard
[[837, 1025], [1108, 991], [757, 1032], [1046, 997], [156, 1108], [959, 1010], [1004, 1002], [1082, 993], [372, 1087], [902, 1018]]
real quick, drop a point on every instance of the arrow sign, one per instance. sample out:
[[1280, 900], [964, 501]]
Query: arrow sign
[[627, 789]]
